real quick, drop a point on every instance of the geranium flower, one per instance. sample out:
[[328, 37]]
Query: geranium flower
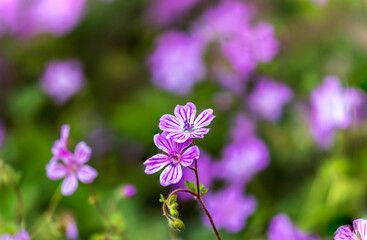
[[72, 166], [22, 235], [359, 231], [183, 125], [174, 158]]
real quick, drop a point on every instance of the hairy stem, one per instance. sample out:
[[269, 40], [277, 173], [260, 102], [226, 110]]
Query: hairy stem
[[169, 196]]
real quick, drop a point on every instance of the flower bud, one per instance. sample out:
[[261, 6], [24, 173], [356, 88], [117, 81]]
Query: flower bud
[[174, 213], [177, 224]]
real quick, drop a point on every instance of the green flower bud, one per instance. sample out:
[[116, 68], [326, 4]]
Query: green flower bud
[[177, 224], [174, 213]]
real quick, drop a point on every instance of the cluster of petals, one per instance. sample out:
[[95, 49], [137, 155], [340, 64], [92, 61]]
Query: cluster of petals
[[282, 228], [358, 232], [184, 125], [22, 235], [173, 159], [68, 165], [57, 17], [63, 79], [333, 107]]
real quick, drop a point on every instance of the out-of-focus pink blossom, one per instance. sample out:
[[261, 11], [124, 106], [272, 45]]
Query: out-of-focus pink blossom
[[63, 79], [229, 208], [319, 2], [128, 190], [22, 235], [281, 228], [333, 107], [71, 231], [2, 133], [242, 128], [176, 63], [9, 15], [164, 12], [268, 98]]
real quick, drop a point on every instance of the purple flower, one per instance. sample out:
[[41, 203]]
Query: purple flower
[[71, 231], [128, 190], [176, 62], [333, 107], [173, 159], [22, 235], [57, 17], [72, 166], [9, 10], [229, 209], [243, 128], [281, 228], [164, 12], [205, 171], [183, 125], [244, 159], [358, 232], [268, 99], [2, 133], [63, 79]]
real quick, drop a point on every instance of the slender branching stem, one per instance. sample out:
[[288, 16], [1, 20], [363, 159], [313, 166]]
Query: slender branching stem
[[169, 196], [104, 215]]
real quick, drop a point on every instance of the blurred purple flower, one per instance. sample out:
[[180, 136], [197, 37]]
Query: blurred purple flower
[[281, 228], [101, 140], [164, 12], [59, 149], [183, 125], [243, 128], [176, 62], [228, 78], [9, 13], [172, 160], [229, 208], [63, 79], [57, 17], [268, 98], [71, 231], [320, 2], [22, 235], [333, 107], [205, 171], [72, 166], [243, 159], [223, 21], [2, 133], [128, 190], [359, 231]]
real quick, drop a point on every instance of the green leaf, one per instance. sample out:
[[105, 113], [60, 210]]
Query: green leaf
[[172, 199], [191, 186], [161, 199], [203, 190]]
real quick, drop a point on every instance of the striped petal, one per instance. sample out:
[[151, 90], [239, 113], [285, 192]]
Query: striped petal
[[178, 137], [199, 133], [345, 233], [69, 185], [186, 113], [189, 156], [56, 171], [171, 175], [361, 226], [164, 144], [204, 118], [156, 163], [170, 123], [86, 174], [180, 146], [82, 153]]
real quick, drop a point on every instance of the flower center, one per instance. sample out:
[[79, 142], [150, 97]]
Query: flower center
[[188, 127], [175, 158], [73, 167]]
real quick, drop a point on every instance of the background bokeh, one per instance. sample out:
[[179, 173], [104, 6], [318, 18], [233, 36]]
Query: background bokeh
[[116, 111]]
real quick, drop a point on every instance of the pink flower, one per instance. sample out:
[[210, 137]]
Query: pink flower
[[358, 232], [128, 190], [281, 228], [183, 125], [71, 231], [22, 235], [173, 159], [72, 166]]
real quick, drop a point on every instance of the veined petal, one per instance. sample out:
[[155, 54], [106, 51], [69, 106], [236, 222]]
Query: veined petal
[[69, 185], [204, 118], [361, 226], [199, 133], [86, 174], [164, 144], [178, 137], [345, 233], [56, 171], [170, 123], [156, 163], [189, 156], [186, 113], [171, 175], [65, 132], [66, 156], [82, 153], [180, 146]]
